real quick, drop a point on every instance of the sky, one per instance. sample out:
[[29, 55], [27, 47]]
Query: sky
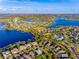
[[39, 6]]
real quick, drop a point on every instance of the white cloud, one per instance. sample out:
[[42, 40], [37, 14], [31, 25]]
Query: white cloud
[[35, 7], [15, 0], [1, 0]]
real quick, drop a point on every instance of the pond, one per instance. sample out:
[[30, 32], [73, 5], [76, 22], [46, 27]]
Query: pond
[[2, 26]]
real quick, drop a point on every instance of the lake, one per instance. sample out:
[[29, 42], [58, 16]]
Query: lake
[[11, 36], [62, 22]]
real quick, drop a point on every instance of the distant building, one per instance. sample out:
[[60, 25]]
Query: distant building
[[14, 51], [38, 51], [57, 37], [6, 54]]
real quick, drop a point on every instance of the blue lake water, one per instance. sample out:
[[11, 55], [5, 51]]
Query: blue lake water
[[11, 36], [30, 20], [63, 22]]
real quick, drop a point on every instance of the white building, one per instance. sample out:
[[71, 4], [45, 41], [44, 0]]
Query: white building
[[39, 52]]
